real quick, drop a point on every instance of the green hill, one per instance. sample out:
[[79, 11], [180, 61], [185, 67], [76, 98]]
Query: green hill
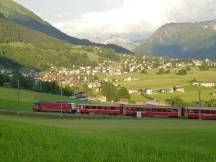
[[19, 14], [9, 98], [33, 49], [187, 40]]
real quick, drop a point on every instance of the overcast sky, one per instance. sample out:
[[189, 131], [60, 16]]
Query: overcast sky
[[84, 18]]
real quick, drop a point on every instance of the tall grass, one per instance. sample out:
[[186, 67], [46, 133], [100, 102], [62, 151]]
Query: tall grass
[[20, 142]]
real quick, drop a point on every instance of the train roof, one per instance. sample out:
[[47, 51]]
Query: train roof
[[51, 102], [202, 108], [150, 106], [100, 104], [134, 106]]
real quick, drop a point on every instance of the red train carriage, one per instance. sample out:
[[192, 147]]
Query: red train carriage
[[100, 109], [151, 111], [200, 113], [129, 110], [208, 113], [54, 107], [192, 113]]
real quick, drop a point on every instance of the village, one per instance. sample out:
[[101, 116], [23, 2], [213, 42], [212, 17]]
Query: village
[[112, 71]]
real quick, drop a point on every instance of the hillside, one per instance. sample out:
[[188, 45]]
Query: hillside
[[8, 98], [194, 40], [17, 13], [21, 46]]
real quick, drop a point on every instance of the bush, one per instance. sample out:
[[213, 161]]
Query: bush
[[163, 71], [182, 72], [144, 71], [204, 66], [175, 101]]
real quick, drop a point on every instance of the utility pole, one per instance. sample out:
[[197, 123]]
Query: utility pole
[[18, 96], [61, 99], [199, 97], [35, 91], [200, 104]]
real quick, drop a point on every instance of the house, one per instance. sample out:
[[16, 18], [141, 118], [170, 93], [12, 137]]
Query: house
[[148, 91], [134, 91], [213, 94], [179, 89], [207, 85], [102, 98], [195, 84], [81, 96], [98, 99], [153, 103], [168, 90], [197, 62], [129, 79]]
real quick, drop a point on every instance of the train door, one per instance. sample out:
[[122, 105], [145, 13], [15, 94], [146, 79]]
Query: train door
[[123, 109], [183, 113]]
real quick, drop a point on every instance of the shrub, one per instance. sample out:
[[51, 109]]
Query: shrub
[[182, 72]]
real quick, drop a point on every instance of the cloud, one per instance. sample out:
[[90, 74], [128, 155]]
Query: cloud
[[131, 16], [100, 17]]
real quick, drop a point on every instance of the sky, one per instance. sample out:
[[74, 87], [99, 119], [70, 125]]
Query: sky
[[131, 18]]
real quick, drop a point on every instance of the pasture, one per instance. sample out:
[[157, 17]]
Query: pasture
[[155, 81], [9, 98], [24, 139]]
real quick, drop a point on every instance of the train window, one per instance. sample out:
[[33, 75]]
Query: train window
[[190, 111], [113, 108]]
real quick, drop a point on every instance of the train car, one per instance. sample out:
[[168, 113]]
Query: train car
[[154, 111], [100, 109], [54, 107], [208, 113], [128, 110], [200, 113], [191, 113]]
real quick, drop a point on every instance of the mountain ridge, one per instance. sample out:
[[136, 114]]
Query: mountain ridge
[[192, 40], [21, 15]]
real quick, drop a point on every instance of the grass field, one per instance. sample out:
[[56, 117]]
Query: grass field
[[9, 98], [154, 81], [24, 139]]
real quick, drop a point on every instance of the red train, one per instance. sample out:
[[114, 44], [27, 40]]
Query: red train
[[127, 110], [54, 107]]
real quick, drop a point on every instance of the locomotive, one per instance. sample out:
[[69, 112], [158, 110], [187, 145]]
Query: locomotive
[[128, 110]]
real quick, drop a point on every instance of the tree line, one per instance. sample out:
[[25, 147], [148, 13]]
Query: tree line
[[17, 80]]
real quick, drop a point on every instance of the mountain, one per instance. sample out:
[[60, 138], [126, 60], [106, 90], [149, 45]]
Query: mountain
[[17, 13], [186, 40], [115, 39], [22, 47]]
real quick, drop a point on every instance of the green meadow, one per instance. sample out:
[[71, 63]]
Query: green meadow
[[24, 139], [9, 98], [154, 81]]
